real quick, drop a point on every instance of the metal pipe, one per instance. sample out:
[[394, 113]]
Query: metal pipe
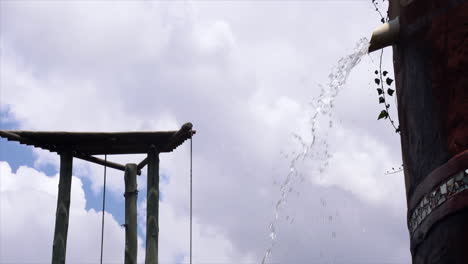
[[385, 35]]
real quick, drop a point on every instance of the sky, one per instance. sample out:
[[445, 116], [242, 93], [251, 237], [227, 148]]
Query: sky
[[245, 74]]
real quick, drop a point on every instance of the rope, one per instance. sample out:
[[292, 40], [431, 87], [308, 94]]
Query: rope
[[191, 147], [103, 207]]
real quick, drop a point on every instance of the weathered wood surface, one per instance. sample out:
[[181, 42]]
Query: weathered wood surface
[[152, 207], [177, 139], [98, 143], [131, 194], [437, 176], [99, 161], [63, 209], [447, 242], [85, 144], [431, 74]]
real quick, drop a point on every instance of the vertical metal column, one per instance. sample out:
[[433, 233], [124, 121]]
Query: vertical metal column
[[131, 193], [63, 208], [152, 207]]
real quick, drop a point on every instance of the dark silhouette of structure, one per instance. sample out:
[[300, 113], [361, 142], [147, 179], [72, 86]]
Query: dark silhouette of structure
[[431, 70], [84, 145]]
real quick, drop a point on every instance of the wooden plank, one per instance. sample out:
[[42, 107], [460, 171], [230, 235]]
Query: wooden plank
[[10, 135], [131, 193], [99, 161], [152, 208], [115, 149], [177, 139], [63, 209], [87, 136], [142, 163], [98, 143]]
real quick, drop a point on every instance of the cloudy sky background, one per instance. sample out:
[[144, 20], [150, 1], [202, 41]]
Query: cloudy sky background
[[244, 74]]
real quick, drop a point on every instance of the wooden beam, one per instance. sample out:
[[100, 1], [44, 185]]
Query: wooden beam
[[179, 137], [173, 142], [63, 209], [152, 207], [10, 135], [131, 193], [93, 143], [142, 164], [99, 161], [433, 116]]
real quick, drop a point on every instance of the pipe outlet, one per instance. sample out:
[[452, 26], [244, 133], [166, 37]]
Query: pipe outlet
[[385, 35]]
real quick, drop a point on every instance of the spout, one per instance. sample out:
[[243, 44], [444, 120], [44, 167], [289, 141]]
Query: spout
[[385, 35]]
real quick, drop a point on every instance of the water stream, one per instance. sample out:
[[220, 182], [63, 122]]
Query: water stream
[[322, 106]]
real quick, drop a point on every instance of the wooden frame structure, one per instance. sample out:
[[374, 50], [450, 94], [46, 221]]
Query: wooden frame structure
[[84, 145]]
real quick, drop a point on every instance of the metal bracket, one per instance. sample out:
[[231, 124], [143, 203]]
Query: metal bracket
[[129, 193]]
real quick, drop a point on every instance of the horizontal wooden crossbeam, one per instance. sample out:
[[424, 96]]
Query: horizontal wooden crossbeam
[[177, 139], [99, 161], [100, 143], [84, 145]]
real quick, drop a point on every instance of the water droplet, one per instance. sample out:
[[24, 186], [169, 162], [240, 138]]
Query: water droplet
[[273, 235]]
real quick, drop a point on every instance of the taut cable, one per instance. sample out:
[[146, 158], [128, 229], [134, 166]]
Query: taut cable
[[191, 148], [103, 207]]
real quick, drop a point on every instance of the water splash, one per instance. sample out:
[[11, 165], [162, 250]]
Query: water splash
[[321, 107]]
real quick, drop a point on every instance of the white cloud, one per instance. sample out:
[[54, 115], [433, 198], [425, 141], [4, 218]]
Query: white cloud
[[27, 215], [358, 165], [174, 230]]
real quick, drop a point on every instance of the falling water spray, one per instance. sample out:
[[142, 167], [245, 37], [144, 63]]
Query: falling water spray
[[321, 107]]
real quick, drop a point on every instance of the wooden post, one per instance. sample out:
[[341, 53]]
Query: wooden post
[[152, 207], [131, 192], [431, 78], [63, 208]]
